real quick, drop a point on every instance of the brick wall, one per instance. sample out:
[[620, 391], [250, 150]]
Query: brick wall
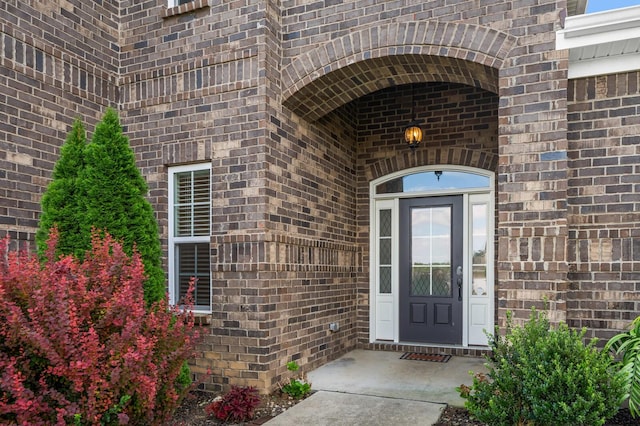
[[298, 105], [335, 54], [200, 84], [604, 202], [58, 61], [306, 24]]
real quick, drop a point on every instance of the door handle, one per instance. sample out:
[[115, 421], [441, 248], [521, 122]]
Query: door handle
[[459, 282]]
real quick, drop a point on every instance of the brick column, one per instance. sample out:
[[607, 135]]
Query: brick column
[[532, 173]]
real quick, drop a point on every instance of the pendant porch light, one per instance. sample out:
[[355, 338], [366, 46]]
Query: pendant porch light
[[412, 131]]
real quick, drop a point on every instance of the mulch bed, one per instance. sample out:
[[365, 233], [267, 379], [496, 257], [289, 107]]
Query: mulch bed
[[191, 411], [455, 416]]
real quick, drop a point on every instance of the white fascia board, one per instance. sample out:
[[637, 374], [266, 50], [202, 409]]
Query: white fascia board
[[604, 66], [598, 28]]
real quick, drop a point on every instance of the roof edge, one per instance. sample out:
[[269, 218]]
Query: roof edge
[[601, 43]]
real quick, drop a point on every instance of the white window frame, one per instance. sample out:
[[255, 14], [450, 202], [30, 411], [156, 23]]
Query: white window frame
[[174, 241], [174, 3]]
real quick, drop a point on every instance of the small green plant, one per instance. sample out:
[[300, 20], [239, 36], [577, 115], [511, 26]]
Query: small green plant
[[628, 344], [539, 375], [297, 388], [237, 405]]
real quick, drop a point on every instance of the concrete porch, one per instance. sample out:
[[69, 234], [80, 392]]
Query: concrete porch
[[379, 388]]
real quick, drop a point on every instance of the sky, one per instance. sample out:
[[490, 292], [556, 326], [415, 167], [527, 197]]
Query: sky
[[600, 5]]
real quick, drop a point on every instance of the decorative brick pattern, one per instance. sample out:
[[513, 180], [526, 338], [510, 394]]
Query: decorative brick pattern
[[380, 56]]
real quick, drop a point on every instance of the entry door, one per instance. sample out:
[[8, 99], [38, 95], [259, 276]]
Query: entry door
[[430, 272]]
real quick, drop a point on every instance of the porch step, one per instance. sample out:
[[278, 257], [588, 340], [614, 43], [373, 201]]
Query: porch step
[[474, 351]]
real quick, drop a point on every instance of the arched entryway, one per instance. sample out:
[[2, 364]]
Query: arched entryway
[[455, 91], [432, 269]]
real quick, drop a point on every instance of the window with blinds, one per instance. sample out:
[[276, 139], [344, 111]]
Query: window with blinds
[[193, 262], [192, 208], [190, 230]]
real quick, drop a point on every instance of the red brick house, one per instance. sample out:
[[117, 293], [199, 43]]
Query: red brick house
[[271, 134]]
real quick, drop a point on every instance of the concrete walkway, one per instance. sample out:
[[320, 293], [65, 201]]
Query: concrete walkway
[[378, 388]]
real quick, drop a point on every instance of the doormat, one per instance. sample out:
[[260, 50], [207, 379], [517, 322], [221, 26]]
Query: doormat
[[414, 356]]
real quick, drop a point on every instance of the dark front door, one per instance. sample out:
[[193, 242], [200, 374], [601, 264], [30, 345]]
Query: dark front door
[[431, 270]]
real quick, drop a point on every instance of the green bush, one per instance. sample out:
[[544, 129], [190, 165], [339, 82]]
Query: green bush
[[60, 206], [98, 186], [114, 200], [539, 375]]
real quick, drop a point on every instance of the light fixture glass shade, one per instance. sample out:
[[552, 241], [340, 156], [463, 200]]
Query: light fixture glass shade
[[413, 135]]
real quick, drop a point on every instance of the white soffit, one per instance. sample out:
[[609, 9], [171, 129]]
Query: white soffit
[[576, 7], [602, 43]]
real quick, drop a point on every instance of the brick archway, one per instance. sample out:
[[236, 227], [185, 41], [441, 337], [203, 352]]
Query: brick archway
[[380, 56], [452, 156]]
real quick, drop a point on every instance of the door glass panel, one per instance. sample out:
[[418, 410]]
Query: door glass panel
[[479, 280], [385, 279], [435, 180], [385, 223], [441, 281], [384, 251], [479, 244], [431, 251], [421, 281]]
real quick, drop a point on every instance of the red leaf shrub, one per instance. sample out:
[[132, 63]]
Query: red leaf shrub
[[237, 405], [77, 345]]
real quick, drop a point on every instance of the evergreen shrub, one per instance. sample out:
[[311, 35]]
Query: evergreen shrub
[[60, 206], [98, 186], [539, 375]]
